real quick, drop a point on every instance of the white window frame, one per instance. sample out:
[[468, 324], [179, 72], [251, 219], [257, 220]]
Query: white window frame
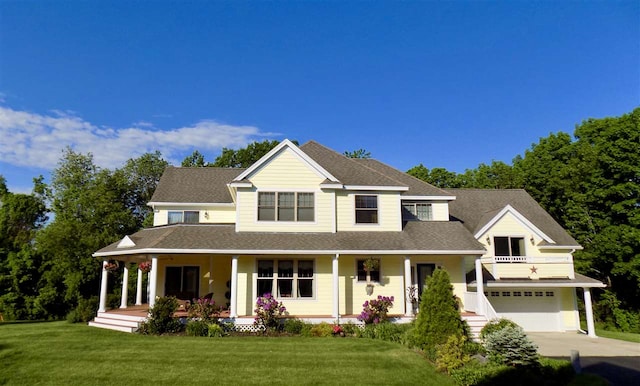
[[182, 212], [295, 279], [511, 258], [296, 207], [414, 213], [356, 209]]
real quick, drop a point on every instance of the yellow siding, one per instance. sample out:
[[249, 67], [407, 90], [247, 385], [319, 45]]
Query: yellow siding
[[208, 214], [389, 213], [286, 170], [567, 308], [440, 211], [519, 270]]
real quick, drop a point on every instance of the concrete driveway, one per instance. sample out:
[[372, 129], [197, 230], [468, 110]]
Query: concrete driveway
[[616, 361]]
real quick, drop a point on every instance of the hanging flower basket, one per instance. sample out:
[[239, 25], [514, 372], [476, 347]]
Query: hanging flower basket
[[145, 266], [371, 264], [112, 266], [369, 289]]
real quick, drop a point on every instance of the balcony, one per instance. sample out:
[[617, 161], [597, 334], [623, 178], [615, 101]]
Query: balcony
[[519, 267]]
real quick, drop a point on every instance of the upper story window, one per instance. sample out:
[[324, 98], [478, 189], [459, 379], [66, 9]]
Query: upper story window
[[509, 246], [285, 206], [285, 278], [417, 211], [184, 216], [366, 209]]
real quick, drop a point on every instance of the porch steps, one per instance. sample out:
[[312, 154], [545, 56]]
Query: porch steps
[[117, 322], [475, 322]]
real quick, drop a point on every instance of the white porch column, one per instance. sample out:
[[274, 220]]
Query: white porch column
[[480, 306], [103, 288], [408, 306], [233, 312], [336, 287], [139, 288], [125, 286], [588, 307], [153, 280]]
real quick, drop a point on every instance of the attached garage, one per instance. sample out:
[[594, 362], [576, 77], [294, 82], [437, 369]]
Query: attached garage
[[535, 309]]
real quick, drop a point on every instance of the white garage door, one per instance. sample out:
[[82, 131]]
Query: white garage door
[[533, 309]]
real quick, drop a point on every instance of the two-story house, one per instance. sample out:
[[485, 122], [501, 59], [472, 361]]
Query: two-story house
[[301, 222]]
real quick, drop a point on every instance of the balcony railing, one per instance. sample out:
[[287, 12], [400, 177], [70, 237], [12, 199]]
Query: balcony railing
[[530, 259]]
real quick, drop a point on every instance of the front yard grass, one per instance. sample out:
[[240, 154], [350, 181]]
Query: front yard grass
[[74, 354]]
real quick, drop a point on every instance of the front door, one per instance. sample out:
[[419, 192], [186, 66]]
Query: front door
[[182, 282], [424, 271]]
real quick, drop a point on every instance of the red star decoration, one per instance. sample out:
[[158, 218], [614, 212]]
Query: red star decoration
[[533, 269]]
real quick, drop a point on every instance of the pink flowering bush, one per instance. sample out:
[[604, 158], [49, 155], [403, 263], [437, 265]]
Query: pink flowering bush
[[268, 311], [375, 311], [145, 266], [205, 310]]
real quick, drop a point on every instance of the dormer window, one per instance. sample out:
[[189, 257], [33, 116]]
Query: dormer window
[[417, 211], [509, 246], [184, 216], [286, 206]]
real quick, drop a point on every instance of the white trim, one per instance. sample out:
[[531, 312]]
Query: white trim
[[191, 204], [287, 252], [240, 184], [429, 198], [126, 242], [542, 284], [286, 143], [519, 217], [560, 247], [331, 186], [376, 188]]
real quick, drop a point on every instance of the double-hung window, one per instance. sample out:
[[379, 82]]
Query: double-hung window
[[186, 216], [362, 273], [285, 278], [509, 246], [285, 206], [420, 211], [366, 209]]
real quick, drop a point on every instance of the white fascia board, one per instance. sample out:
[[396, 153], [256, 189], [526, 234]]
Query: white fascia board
[[296, 150], [577, 247], [519, 217], [240, 184], [190, 204], [372, 187], [331, 186], [283, 252], [542, 284], [429, 198]]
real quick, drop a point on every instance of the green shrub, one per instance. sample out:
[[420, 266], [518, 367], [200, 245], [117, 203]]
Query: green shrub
[[268, 312], [197, 328], [293, 326], [161, 318], [477, 374], [614, 318], [85, 311], [451, 354], [495, 325], [392, 332], [511, 346], [205, 309], [113, 301], [350, 329], [559, 370], [439, 316], [375, 311], [215, 330], [321, 330]]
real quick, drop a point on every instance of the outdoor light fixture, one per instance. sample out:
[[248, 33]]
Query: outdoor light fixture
[[488, 240]]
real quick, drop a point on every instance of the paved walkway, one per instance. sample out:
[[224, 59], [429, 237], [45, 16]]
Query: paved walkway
[[560, 344]]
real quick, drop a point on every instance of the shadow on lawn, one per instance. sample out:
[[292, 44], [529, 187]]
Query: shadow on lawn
[[617, 370]]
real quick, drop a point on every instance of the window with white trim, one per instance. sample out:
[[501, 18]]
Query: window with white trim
[[509, 246], [286, 278], [184, 216], [416, 211], [362, 273], [366, 209], [286, 206]]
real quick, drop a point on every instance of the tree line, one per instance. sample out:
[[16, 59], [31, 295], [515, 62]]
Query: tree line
[[589, 182]]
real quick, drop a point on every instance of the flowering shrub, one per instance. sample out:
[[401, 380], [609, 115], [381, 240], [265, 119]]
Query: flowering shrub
[[268, 310], [337, 330], [112, 266], [375, 311], [205, 310], [145, 266]]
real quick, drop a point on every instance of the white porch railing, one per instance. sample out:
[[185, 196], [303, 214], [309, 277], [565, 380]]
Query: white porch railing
[[471, 304], [530, 259]]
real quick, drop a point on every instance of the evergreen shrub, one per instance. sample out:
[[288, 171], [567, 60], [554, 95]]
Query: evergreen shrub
[[511, 346], [85, 311]]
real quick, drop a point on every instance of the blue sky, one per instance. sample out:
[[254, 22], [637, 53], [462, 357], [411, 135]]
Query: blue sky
[[446, 84]]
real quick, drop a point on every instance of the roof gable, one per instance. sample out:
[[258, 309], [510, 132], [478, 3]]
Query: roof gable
[[519, 217]]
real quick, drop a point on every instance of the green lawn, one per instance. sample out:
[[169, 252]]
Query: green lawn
[[62, 353], [626, 336]]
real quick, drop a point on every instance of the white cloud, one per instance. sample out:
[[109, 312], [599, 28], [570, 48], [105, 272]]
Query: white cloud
[[36, 140]]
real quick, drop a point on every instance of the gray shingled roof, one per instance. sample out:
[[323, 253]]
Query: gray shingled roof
[[475, 207], [429, 237], [195, 185], [347, 170]]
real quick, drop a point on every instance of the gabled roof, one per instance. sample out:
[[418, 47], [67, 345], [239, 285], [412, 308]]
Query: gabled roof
[[429, 237], [195, 185], [477, 207]]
